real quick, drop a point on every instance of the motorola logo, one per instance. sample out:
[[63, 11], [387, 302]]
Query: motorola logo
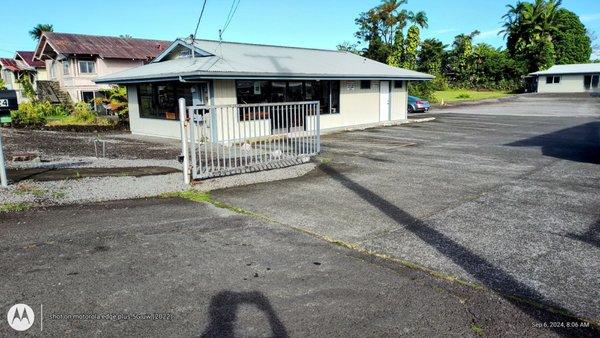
[[20, 317]]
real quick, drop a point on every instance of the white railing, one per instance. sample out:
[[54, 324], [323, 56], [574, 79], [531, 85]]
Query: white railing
[[234, 139]]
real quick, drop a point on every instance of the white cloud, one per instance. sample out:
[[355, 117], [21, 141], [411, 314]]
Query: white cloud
[[489, 34], [590, 17], [444, 30]]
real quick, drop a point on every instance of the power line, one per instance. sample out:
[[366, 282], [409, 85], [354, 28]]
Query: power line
[[232, 11], [198, 24]]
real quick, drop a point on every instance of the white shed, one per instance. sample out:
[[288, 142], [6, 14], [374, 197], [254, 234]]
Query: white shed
[[577, 78]]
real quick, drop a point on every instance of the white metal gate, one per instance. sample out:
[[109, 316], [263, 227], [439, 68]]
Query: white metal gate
[[240, 138]]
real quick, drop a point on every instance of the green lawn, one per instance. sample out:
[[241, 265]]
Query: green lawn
[[454, 95]]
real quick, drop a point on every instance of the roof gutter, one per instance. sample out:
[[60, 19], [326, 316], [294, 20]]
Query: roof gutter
[[188, 78]]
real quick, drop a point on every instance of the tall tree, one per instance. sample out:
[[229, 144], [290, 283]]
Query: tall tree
[[431, 56], [572, 43], [40, 28], [459, 58], [379, 27], [530, 29]]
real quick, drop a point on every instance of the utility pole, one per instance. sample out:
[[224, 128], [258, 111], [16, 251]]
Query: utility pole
[[3, 178]]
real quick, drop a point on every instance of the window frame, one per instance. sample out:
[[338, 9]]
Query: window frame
[[66, 67], [553, 79], [318, 87], [52, 69], [160, 110], [88, 62]]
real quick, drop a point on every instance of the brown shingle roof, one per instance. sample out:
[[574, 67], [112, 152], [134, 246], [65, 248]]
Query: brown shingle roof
[[105, 46], [10, 64], [28, 59]]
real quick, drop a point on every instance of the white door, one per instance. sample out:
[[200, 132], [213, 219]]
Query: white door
[[384, 101]]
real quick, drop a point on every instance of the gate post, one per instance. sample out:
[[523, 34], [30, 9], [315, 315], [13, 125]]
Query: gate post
[[3, 179], [184, 141]]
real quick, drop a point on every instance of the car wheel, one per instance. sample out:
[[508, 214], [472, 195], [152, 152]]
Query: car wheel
[[411, 109]]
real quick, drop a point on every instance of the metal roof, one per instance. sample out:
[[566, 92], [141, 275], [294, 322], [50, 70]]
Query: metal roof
[[10, 64], [582, 68], [253, 61], [27, 57], [103, 46]]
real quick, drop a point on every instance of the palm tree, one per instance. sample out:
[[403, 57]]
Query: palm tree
[[36, 32], [530, 28]]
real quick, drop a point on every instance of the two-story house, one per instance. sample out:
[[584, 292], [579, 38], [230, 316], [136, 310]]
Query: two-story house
[[23, 64], [73, 61]]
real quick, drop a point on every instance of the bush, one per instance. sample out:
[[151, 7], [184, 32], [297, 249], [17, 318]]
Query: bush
[[424, 90], [59, 110], [463, 96], [31, 113], [83, 113]]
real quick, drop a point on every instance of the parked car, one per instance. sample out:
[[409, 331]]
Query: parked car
[[416, 104]]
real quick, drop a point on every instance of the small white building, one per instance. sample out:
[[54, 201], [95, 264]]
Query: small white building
[[577, 78], [352, 90]]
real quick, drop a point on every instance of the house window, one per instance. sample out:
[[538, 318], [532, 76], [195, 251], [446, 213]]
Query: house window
[[52, 70], [159, 100], [397, 84], [552, 79], [88, 97], [326, 92], [87, 67], [591, 81], [365, 84], [65, 66]]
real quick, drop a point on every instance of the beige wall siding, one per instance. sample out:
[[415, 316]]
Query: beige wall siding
[[224, 92], [399, 102], [358, 107], [75, 82], [568, 84]]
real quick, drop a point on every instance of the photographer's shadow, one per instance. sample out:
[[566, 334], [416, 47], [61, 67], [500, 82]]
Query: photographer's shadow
[[223, 313]]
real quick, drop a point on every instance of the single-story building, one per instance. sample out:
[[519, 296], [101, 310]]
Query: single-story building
[[577, 78], [352, 90]]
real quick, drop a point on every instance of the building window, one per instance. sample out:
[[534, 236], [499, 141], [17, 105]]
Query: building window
[[397, 84], [159, 100], [365, 84], [591, 81], [52, 70], [88, 97], [326, 92], [87, 67], [65, 66], [552, 79]]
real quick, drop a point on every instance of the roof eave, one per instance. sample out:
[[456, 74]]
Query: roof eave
[[191, 77]]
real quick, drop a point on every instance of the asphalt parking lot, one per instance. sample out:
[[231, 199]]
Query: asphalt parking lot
[[508, 202], [198, 270]]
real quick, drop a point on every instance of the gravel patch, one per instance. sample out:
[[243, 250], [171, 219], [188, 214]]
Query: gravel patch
[[99, 189]]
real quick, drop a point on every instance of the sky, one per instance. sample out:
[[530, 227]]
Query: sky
[[306, 23]]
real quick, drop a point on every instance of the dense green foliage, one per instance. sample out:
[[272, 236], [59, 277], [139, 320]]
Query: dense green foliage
[[2, 84], [35, 113], [40, 28], [539, 34], [571, 42], [115, 101]]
